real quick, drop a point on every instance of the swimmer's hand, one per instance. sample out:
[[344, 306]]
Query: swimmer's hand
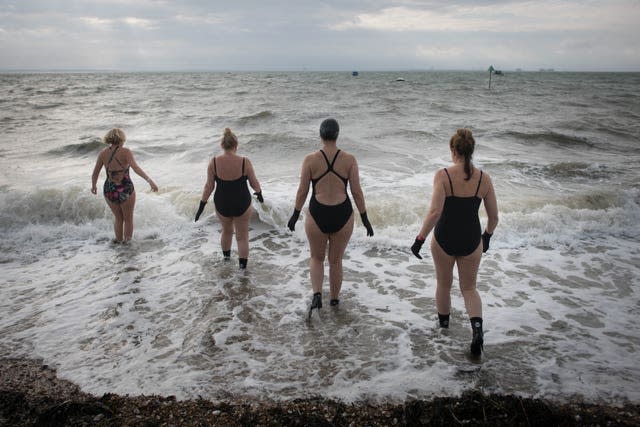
[[366, 223], [200, 209], [292, 221], [94, 190], [485, 241], [417, 245], [153, 185], [258, 195]]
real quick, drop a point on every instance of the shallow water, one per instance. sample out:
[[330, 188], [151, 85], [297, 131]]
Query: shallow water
[[166, 314]]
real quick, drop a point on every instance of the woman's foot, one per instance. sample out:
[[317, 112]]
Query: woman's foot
[[444, 320], [477, 342], [334, 302], [316, 302]]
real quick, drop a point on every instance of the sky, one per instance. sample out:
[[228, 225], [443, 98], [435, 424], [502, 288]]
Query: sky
[[193, 35]]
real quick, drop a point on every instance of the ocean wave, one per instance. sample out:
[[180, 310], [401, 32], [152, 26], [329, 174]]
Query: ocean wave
[[89, 144], [48, 106], [56, 91], [274, 142], [262, 115], [549, 137], [50, 206], [576, 170]]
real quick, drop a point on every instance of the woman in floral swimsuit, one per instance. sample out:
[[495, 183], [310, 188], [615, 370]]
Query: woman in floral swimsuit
[[118, 187]]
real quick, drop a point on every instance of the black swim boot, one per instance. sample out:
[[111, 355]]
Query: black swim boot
[[315, 303], [334, 302], [478, 337], [226, 255], [243, 263], [444, 320]]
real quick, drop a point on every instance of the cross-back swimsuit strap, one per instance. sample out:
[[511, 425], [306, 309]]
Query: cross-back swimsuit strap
[[232, 197], [117, 192], [458, 230], [330, 218]]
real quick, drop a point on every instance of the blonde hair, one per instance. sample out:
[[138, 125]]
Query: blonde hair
[[229, 140], [463, 144], [115, 137]]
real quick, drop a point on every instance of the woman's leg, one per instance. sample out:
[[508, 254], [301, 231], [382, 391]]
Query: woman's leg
[[318, 248], [118, 219], [443, 264], [337, 246], [227, 231], [127, 215], [468, 274], [241, 225]]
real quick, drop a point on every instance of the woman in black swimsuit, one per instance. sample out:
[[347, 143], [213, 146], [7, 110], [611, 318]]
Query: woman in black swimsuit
[[118, 188], [331, 215], [457, 193], [228, 175]]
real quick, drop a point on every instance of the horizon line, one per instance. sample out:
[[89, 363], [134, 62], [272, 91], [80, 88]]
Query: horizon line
[[302, 69]]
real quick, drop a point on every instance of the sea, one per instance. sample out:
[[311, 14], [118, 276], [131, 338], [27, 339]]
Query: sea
[[166, 315]]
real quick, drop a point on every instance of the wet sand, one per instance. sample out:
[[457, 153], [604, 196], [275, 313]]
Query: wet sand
[[32, 394]]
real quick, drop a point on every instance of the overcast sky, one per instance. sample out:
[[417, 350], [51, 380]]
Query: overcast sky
[[319, 35]]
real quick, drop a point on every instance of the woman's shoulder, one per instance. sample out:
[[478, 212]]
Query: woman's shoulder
[[312, 156], [485, 174], [347, 156]]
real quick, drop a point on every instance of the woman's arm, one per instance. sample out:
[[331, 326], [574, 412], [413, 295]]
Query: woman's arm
[[210, 185], [491, 207], [253, 180], [356, 189], [301, 195], [303, 187], [436, 206], [358, 196], [95, 174], [137, 169]]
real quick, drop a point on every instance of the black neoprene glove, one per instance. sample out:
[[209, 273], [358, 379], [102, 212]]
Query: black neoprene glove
[[417, 245], [258, 195], [200, 209], [485, 241], [292, 221], [366, 223]]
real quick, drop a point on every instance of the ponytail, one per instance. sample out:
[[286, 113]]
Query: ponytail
[[463, 144]]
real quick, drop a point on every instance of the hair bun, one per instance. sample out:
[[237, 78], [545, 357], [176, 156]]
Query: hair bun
[[227, 131]]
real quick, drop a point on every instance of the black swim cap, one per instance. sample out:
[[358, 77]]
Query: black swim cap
[[329, 130]]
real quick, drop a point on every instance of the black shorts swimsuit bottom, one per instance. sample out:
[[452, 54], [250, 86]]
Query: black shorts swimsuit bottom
[[458, 230], [330, 218], [232, 198]]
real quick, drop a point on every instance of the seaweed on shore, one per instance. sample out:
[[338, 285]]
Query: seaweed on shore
[[32, 395]]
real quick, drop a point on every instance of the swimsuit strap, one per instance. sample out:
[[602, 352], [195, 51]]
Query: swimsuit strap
[[113, 153], [330, 168], [478, 189], [215, 168], [330, 165], [450, 183], [111, 158]]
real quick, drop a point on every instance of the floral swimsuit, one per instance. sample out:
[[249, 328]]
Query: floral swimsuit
[[118, 186]]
